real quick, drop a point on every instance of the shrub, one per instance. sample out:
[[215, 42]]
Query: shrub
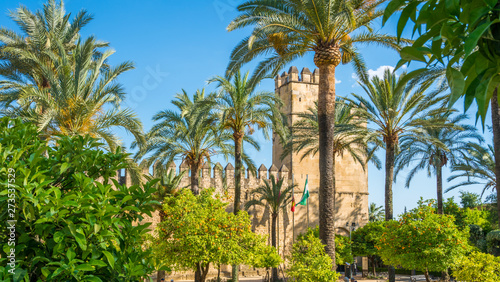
[[493, 242], [70, 227], [309, 262], [479, 267], [343, 248]]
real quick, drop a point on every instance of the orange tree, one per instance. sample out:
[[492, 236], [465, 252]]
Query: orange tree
[[364, 241], [198, 231], [423, 240]]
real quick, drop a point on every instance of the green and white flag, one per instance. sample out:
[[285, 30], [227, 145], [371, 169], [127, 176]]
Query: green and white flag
[[305, 195]]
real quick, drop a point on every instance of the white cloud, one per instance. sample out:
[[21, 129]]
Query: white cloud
[[379, 72], [337, 81]]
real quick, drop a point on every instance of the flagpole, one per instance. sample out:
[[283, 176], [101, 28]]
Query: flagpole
[[307, 205], [293, 214]]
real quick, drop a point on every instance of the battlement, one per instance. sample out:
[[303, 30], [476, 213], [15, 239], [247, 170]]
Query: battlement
[[293, 76], [215, 172]]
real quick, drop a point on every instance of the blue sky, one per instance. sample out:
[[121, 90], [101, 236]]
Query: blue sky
[[181, 44]]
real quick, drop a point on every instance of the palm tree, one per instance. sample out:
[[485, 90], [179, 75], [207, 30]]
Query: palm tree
[[436, 146], [350, 134], [478, 167], [242, 109], [84, 97], [276, 197], [189, 134], [396, 111], [375, 213], [43, 32], [288, 29]]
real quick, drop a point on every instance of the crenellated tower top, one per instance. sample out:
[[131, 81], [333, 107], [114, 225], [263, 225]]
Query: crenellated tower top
[[293, 76]]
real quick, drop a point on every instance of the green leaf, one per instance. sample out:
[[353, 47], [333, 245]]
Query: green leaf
[[391, 8], [70, 253], [81, 240], [110, 258], [93, 278], [64, 167], [405, 15], [45, 271], [58, 236], [95, 262], [19, 275], [411, 53], [456, 81], [452, 6], [472, 39], [85, 267]]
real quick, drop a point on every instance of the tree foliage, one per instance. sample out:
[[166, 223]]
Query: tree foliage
[[198, 231], [478, 267], [71, 224], [364, 240], [343, 251], [464, 42], [423, 240], [309, 262]]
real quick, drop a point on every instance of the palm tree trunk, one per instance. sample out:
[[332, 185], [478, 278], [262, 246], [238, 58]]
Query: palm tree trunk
[[238, 142], [195, 177], [326, 122], [238, 145], [274, 218], [439, 184], [495, 120], [389, 178]]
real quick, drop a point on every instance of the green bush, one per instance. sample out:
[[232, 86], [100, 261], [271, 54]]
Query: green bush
[[70, 226], [309, 262], [343, 249], [493, 242], [477, 237], [478, 267]]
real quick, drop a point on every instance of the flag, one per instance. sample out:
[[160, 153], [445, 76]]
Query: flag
[[305, 195], [293, 204]]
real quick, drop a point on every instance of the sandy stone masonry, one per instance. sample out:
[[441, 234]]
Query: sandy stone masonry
[[298, 93]]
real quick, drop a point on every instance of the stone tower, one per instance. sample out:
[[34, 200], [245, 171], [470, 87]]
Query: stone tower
[[299, 92]]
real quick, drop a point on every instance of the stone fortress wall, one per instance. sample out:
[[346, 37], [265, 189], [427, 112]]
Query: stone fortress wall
[[298, 92]]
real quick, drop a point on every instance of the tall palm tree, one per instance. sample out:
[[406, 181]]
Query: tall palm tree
[[42, 33], [288, 29], [189, 134], [350, 134], [84, 97], [375, 213], [478, 167], [276, 197], [395, 112], [436, 146], [242, 109]]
